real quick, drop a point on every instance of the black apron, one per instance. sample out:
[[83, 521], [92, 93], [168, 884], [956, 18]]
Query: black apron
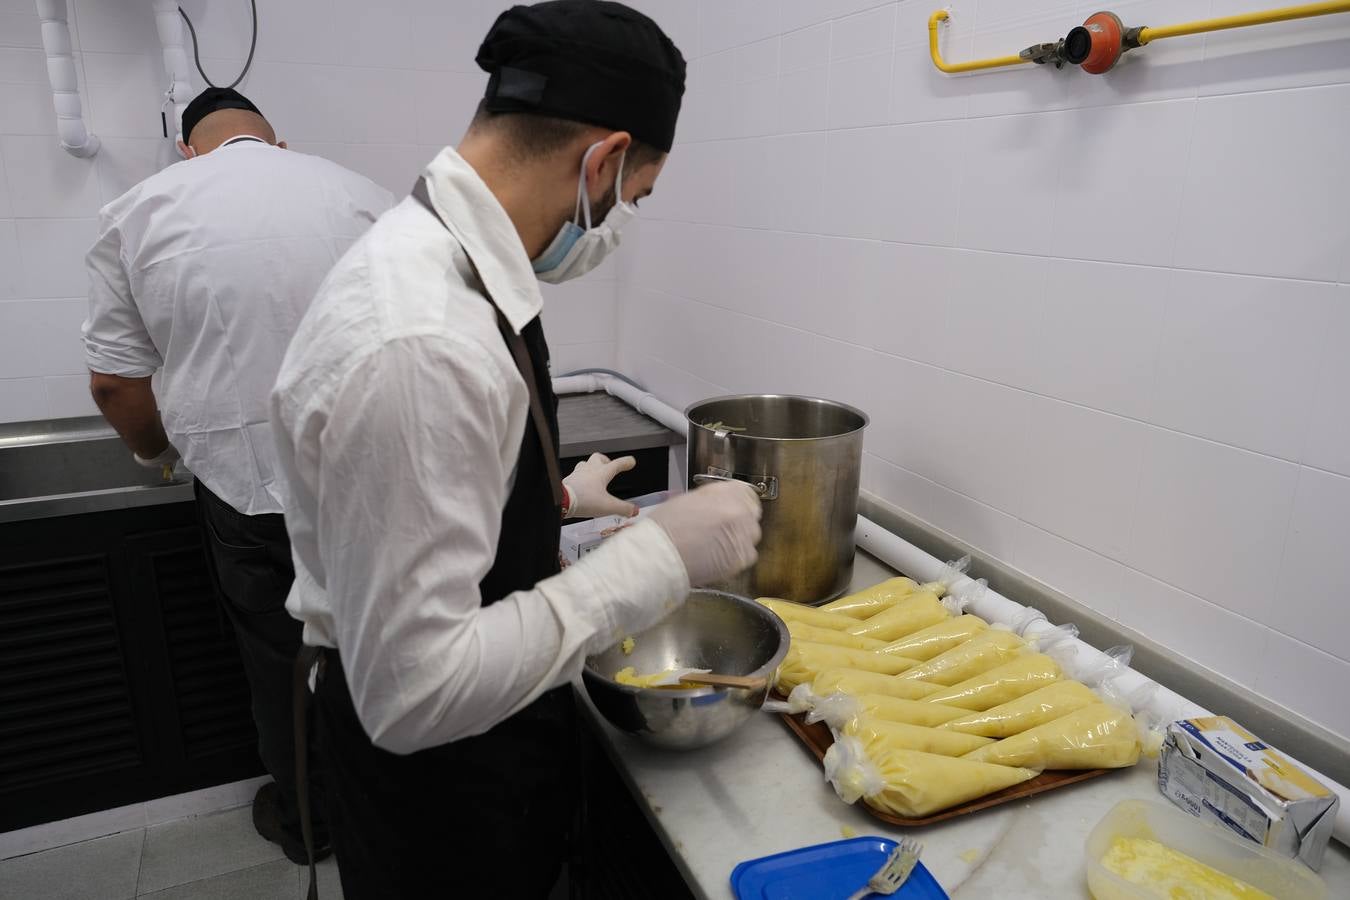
[[486, 815]]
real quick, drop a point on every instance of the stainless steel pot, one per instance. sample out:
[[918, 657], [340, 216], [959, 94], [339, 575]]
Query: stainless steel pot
[[803, 456]]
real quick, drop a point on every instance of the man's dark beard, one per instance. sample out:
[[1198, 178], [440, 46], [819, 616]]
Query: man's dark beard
[[602, 208]]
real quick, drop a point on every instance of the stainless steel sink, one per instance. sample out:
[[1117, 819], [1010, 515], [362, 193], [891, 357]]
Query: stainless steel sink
[[74, 466]]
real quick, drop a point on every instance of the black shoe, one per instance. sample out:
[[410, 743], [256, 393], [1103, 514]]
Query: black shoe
[[268, 822]]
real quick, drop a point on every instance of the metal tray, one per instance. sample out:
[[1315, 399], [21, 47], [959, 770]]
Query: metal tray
[[817, 738]]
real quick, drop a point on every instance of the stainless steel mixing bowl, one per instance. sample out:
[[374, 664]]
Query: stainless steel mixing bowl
[[713, 630]]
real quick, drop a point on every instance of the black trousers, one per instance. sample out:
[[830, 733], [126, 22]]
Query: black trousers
[[249, 558], [486, 816]]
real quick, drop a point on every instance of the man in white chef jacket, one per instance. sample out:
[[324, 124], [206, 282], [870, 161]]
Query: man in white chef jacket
[[201, 274], [417, 432]]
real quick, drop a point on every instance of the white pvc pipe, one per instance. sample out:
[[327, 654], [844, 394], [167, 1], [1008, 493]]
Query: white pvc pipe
[[176, 66], [644, 402], [1162, 704], [76, 139]]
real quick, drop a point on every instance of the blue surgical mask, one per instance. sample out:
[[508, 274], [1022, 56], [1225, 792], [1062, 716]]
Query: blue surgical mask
[[577, 250]]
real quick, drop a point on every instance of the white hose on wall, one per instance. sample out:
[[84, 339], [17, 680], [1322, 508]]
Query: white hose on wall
[[76, 138], [176, 65], [1162, 704]]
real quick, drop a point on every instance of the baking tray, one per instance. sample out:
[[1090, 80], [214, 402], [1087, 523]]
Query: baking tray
[[817, 738]]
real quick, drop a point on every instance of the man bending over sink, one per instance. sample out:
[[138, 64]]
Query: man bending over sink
[[201, 274]]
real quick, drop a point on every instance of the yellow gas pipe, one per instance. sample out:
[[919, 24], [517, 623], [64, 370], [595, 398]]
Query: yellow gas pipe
[[1147, 34], [974, 65], [1285, 14]]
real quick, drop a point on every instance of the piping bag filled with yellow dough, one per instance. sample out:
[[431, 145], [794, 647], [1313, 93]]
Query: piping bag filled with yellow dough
[[1037, 708], [807, 615], [910, 783], [979, 654], [882, 734], [869, 602], [837, 709], [856, 681], [804, 659], [927, 643], [908, 614], [1024, 674], [1100, 736], [800, 631]]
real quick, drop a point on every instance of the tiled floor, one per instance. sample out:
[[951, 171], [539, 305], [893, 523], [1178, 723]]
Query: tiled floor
[[212, 857]]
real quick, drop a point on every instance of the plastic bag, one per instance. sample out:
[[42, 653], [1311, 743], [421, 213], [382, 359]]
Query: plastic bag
[[927, 643], [951, 573], [800, 631], [856, 681], [909, 614], [867, 603], [883, 734], [1037, 708], [807, 615], [1022, 675], [804, 660], [838, 712], [1100, 736], [910, 783], [979, 654], [1111, 665], [1046, 638], [959, 599]]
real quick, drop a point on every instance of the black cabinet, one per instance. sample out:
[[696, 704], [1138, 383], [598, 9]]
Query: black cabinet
[[120, 680]]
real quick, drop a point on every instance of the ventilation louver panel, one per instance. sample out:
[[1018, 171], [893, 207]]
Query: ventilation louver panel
[[211, 691], [65, 706]]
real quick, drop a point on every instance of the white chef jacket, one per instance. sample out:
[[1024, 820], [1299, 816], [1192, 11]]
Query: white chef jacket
[[203, 271], [399, 416]]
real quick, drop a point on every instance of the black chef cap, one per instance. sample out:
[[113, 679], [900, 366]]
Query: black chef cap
[[587, 61], [211, 100]]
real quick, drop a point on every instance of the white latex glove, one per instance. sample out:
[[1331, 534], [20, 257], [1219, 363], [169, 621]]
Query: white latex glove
[[588, 486], [714, 528], [166, 457]]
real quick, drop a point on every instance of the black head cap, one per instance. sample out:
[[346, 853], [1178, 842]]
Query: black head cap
[[211, 100], [588, 61]]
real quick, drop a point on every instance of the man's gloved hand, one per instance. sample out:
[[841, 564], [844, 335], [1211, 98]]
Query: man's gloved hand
[[714, 528], [588, 488], [163, 461], [166, 457]]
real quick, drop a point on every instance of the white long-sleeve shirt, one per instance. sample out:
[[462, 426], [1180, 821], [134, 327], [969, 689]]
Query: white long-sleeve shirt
[[399, 416], [202, 271]]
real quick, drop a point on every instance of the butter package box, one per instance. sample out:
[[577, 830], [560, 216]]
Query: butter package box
[[1223, 774], [580, 538]]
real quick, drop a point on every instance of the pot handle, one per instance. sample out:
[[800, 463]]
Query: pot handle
[[766, 486]]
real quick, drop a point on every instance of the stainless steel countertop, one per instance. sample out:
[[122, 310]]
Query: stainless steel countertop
[[71, 466], [599, 423]]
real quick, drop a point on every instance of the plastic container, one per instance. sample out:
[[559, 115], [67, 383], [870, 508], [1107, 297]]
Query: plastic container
[[827, 872], [1277, 875]]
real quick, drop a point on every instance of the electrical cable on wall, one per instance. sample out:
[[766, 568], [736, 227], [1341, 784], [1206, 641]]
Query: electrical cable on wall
[[197, 57]]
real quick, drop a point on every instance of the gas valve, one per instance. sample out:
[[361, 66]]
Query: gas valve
[[1096, 45]]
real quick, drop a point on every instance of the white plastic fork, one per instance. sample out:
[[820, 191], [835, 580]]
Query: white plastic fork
[[894, 873]]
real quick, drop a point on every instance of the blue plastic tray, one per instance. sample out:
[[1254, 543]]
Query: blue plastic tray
[[826, 872]]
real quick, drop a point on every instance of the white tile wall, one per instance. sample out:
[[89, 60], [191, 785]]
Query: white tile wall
[[1043, 287], [378, 88], [1266, 190], [1025, 277]]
